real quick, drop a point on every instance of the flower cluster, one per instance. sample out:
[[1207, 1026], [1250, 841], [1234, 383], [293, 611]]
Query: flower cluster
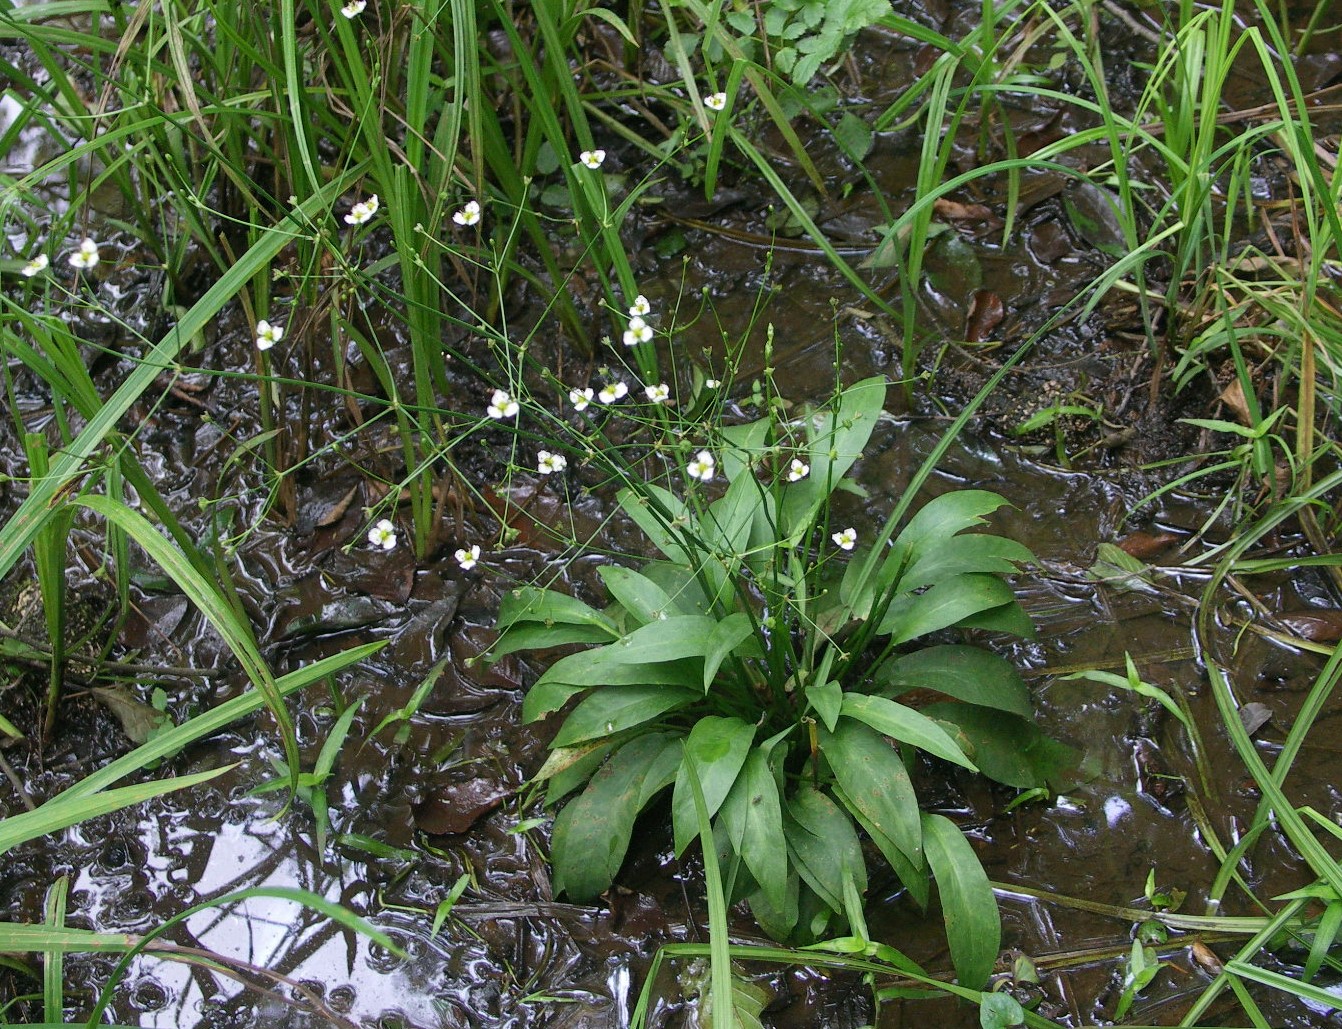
[[267, 335], [383, 534], [86, 256], [363, 211], [468, 215], [502, 405]]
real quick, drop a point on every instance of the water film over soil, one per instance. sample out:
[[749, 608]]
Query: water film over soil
[[427, 814]]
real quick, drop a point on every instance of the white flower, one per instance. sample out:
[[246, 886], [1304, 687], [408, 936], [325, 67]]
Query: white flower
[[37, 265], [658, 394], [267, 335], [715, 101], [612, 392], [580, 398], [501, 406], [845, 540], [592, 158], [547, 462], [640, 307], [639, 331], [468, 215], [702, 467], [383, 534], [363, 211], [711, 384], [468, 559], [798, 470], [354, 8], [86, 256]]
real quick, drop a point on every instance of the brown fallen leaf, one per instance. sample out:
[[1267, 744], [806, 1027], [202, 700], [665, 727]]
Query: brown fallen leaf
[[1233, 398], [985, 314], [138, 719], [455, 807], [1145, 545], [1323, 625], [953, 210], [1204, 956], [338, 509]]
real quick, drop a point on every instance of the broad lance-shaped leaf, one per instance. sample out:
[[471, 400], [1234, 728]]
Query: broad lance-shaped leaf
[[642, 598], [824, 845], [571, 675], [906, 725], [752, 815], [726, 636], [618, 708], [666, 639], [653, 522], [719, 747], [837, 434], [972, 552], [1011, 749], [971, 674], [873, 778], [914, 877], [973, 925], [944, 516], [591, 833], [537, 635], [529, 604], [943, 605]]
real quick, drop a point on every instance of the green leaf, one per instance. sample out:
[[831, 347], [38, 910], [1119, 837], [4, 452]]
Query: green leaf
[[906, 725], [680, 584], [972, 552], [971, 674], [571, 675], [1009, 618], [853, 136], [591, 833], [726, 636], [576, 766], [1000, 1011], [1011, 749], [138, 719], [943, 605], [539, 636], [719, 747], [837, 435], [666, 639], [914, 877], [637, 594], [752, 814], [727, 522], [529, 604], [973, 926], [744, 446], [944, 516], [874, 780], [618, 708], [638, 505], [827, 700], [824, 845], [1324, 936]]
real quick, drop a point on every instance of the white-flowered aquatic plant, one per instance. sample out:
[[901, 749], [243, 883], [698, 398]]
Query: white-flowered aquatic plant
[[502, 405], [759, 675], [267, 335], [86, 256], [354, 8], [469, 214], [383, 534], [658, 394], [363, 211], [715, 101], [612, 392], [638, 331], [701, 466], [592, 158], [468, 557], [640, 308], [581, 398], [548, 463], [36, 266]]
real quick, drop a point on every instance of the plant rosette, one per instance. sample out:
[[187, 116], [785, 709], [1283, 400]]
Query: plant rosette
[[759, 653]]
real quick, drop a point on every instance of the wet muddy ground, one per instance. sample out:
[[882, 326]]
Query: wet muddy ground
[[422, 806]]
